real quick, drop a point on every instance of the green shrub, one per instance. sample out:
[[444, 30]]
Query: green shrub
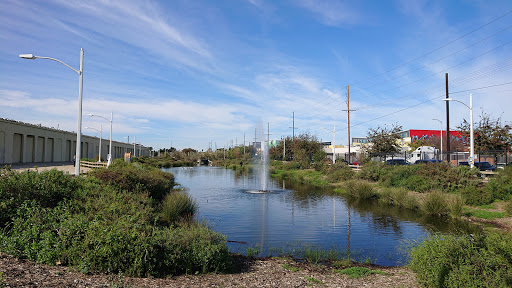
[[178, 206], [372, 171], [359, 272], [434, 204], [106, 228], [464, 261], [500, 186], [476, 196], [456, 206], [48, 188], [339, 172], [360, 190], [136, 177], [508, 207]]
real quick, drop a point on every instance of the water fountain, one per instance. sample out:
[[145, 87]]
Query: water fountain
[[261, 162]]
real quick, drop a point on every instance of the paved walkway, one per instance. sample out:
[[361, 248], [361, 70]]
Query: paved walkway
[[66, 167]]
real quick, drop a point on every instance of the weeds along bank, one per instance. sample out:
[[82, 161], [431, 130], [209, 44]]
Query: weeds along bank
[[165, 162], [412, 187], [480, 260], [127, 219]]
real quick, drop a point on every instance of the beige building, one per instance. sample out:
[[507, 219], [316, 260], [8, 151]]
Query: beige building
[[27, 143]]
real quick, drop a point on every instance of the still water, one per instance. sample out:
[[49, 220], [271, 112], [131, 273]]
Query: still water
[[292, 213]]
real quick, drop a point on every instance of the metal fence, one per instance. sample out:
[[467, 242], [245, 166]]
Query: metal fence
[[495, 158]]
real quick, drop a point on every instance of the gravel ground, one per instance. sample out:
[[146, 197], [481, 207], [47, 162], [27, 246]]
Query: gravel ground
[[251, 273]]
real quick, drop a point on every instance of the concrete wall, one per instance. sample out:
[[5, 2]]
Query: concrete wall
[[27, 143]]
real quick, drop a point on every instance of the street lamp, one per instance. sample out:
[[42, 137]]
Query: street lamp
[[447, 138], [471, 140], [80, 89], [99, 157], [333, 144], [109, 158]]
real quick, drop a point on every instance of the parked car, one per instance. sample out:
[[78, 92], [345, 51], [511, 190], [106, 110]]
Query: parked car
[[427, 161], [396, 162], [483, 165]]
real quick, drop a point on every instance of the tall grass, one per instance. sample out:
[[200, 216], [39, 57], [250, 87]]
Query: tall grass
[[456, 206], [360, 190], [434, 203], [178, 206]]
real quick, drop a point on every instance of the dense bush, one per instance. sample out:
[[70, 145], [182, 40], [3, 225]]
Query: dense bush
[[359, 190], [140, 178], [178, 206], [107, 225], [476, 196], [420, 178], [434, 203], [48, 188], [500, 185], [464, 261]]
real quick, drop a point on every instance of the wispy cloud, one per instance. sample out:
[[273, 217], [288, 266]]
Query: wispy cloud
[[143, 25], [331, 12]]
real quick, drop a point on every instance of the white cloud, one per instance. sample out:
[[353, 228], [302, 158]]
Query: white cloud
[[331, 12]]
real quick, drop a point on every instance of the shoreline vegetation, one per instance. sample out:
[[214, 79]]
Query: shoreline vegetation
[[134, 220]]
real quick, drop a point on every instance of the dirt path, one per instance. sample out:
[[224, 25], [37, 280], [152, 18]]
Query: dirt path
[[252, 273]]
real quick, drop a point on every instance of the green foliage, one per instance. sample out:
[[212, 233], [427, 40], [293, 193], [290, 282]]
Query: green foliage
[[110, 227], [508, 207], [136, 178], [178, 206], [420, 178], [48, 188], [340, 171], [384, 140], [289, 267], [359, 190], [489, 215], [476, 196], [359, 272], [456, 206], [253, 251], [313, 280], [489, 134], [398, 197], [464, 261], [434, 204], [372, 171], [500, 185]]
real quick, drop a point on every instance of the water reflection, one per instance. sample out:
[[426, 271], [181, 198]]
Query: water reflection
[[295, 212]]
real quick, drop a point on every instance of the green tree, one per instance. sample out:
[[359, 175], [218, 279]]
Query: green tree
[[384, 140], [303, 149], [489, 134]]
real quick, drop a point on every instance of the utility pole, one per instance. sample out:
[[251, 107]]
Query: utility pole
[[348, 122], [447, 121], [244, 143]]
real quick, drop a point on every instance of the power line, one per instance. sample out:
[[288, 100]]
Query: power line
[[439, 48]]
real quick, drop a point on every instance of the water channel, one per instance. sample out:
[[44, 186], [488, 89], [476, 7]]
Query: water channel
[[293, 213]]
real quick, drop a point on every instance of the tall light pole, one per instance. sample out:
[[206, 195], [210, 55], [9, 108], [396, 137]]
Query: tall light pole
[[471, 140], [447, 138], [80, 89], [109, 159], [99, 157]]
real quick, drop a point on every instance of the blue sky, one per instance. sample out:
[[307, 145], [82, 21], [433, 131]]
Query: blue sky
[[193, 73]]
